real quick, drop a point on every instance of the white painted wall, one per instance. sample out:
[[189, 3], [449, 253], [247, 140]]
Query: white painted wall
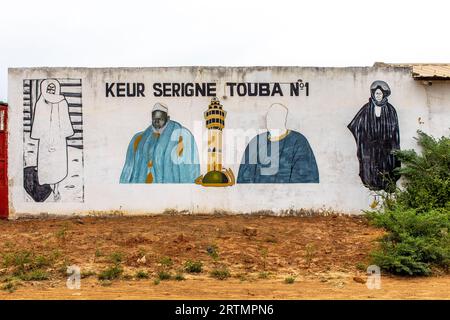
[[336, 95]]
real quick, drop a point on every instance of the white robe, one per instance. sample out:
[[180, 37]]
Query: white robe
[[51, 126]]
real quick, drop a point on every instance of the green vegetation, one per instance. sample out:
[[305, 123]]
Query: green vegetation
[[166, 262], [141, 274], [111, 273], [61, 234], [9, 286], [116, 257], [164, 275], [193, 266], [27, 266], [179, 277], [114, 271], [213, 252], [417, 218], [220, 273], [361, 266], [289, 280]]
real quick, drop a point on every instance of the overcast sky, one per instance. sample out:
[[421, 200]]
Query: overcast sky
[[133, 33]]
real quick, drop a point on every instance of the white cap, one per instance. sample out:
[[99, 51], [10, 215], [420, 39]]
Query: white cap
[[160, 107]]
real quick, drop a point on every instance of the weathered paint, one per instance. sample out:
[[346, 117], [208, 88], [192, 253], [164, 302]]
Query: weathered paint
[[112, 117]]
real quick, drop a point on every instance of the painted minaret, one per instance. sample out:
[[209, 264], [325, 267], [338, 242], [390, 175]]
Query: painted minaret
[[216, 175], [215, 122]]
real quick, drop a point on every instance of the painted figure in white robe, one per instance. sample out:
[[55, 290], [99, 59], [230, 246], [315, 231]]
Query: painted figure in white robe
[[51, 126]]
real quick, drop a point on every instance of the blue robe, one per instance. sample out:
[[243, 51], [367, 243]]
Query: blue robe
[[170, 157], [297, 163]]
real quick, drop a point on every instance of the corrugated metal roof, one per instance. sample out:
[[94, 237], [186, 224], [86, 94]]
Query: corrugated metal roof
[[438, 71]]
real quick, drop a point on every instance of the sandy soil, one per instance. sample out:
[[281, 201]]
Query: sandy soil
[[325, 256]]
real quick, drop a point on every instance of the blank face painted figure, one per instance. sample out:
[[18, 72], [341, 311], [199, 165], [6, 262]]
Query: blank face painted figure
[[278, 155], [376, 132]]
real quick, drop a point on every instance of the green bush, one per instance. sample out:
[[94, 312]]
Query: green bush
[[164, 275], [414, 242], [111, 273], [193, 266], [417, 217], [289, 280], [427, 184], [220, 274], [179, 277], [141, 274]]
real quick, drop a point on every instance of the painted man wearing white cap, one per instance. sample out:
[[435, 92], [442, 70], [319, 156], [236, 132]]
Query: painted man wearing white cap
[[165, 152]]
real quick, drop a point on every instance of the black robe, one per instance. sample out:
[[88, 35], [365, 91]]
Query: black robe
[[376, 138]]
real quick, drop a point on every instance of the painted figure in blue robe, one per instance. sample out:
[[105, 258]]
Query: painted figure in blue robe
[[278, 155], [165, 152]]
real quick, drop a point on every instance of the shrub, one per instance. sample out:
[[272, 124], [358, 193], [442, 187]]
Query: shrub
[[164, 275], [179, 277], [414, 241], [111, 273], [141, 274], [34, 275], [213, 252], [9, 287], [193, 266], [427, 184], [221, 273], [289, 280], [166, 262], [116, 257], [417, 217], [28, 266]]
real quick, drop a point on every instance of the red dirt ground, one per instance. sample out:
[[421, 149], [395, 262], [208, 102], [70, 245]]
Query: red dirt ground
[[325, 255]]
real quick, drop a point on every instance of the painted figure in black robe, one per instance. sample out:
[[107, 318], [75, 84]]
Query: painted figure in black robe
[[376, 131]]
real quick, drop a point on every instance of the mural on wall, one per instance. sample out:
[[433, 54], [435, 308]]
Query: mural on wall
[[376, 131], [217, 175], [53, 140], [278, 155], [165, 152]]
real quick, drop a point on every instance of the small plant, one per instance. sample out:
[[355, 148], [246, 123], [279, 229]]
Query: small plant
[[111, 273], [62, 232], [361, 266], [141, 274], [166, 262], [264, 252], [193, 266], [213, 252], [220, 274], [263, 275], [142, 253], [98, 253], [179, 277], [289, 280], [34, 275], [164, 275], [9, 287], [116, 257], [156, 282], [27, 266]]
